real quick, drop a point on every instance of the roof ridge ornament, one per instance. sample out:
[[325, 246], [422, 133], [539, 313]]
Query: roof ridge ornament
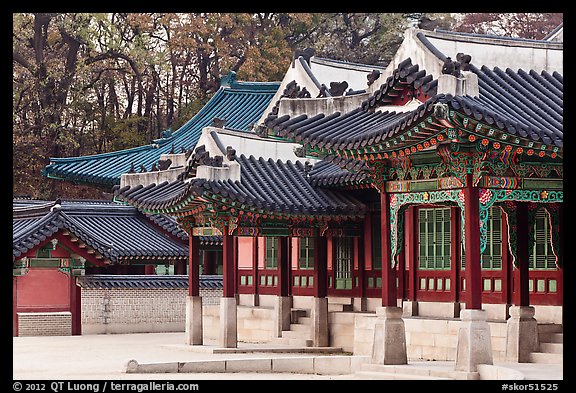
[[441, 110], [306, 54], [218, 122], [228, 80], [373, 76]]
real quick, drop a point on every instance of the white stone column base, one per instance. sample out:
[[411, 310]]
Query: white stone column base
[[193, 330], [389, 337], [410, 308], [521, 334], [228, 323], [474, 345], [319, 316], [282, 310]]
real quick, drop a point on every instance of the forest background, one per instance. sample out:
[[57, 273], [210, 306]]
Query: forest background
[[90, 83]]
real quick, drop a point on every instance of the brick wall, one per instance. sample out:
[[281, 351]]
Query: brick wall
[[138, 310], [44, 324]]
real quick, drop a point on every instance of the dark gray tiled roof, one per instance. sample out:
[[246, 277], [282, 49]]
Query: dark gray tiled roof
[[115, 231], [526, 104], [337, 171], [406, 74], [266, 184], [109, 281]]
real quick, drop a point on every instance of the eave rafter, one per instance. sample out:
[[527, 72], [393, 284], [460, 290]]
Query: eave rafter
[[217, 212]]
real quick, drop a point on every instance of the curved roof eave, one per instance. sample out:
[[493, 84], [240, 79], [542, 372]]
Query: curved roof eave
[[106, 168]]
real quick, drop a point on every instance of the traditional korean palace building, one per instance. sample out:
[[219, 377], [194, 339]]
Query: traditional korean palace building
[[412, 211], [436, 192], [58, 243]]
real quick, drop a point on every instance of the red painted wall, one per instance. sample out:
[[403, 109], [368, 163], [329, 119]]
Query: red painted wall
[[43, 290]]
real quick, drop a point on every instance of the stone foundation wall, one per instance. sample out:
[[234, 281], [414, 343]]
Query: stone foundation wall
[[44, 324], [138, 310], [426, 338]]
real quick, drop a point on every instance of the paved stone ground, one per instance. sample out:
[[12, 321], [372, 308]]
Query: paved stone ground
[[103, 357]]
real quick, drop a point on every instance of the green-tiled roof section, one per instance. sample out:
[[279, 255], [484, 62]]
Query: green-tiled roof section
[[241, 104]]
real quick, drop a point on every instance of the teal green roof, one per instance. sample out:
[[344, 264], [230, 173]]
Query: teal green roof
[[241, 104]]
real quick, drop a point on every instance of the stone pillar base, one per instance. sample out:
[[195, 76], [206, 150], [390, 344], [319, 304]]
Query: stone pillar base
[[193, 330], [410, 308], [474, 345], [389, 337], [282, 310], [228, 323], [521, 334], [319, 316], [359, 304]]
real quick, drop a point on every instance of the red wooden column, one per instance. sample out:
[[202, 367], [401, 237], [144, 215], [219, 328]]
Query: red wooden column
[[389, 294], [193, 265], [389, 332], [228, 274], [193, 327], [284, 265], [320, 266], [522, 327], [473, 272], [255, 267], [283, 301], [410, 248], [179, 267], [149, 270], [506, 265], [228, 310], [522, 253], [319, 311], [75, 306], [474, 346]]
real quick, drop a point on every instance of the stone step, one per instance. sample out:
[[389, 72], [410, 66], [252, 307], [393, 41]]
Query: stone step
[[549, 328], [404, 371], [301, 328], [551, 337], [305, 321], [293, 341], [341, 300], [297, 334], [375, 375], [552, 347], [546, 358], [340, 307], [297, 313]]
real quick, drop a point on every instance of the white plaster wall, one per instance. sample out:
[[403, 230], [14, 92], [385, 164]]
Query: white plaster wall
[[146, 178], [331, 71], [515, 55]]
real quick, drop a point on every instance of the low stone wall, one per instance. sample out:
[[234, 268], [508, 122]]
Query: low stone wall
[[426, 338], [127, 310], [255, 324], [44, 324]]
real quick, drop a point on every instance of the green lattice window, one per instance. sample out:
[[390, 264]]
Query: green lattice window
[[376, 243], [272, 254], [434, 239], [164, 269], [491, 258], [306, 260], [343, 250], [541, 255], [492, 255]]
